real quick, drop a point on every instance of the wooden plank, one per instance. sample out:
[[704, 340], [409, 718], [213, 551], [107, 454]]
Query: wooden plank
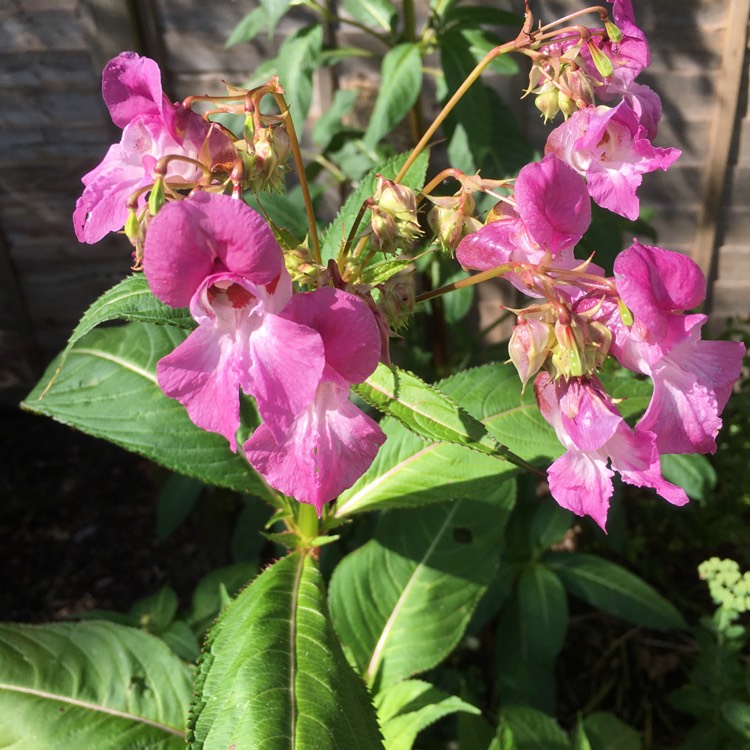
[[725, 118]]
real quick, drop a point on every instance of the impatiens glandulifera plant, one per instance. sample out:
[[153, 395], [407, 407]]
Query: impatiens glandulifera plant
[[256, 357]]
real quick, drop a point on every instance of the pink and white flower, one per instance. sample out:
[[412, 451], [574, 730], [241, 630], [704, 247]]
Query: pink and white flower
[[218, 256], [552, 211], [331, 443], [692, 378], [610, 148], [153, 127], [598, 442]]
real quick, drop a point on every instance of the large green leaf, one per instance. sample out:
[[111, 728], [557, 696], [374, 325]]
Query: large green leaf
[[402, 601], [74, 686], [338, 230], [132, 300], [427, 411], [531, 632], [409, 472], [273, 675], [407, 707], [608, 586], [108, 389], [371, 12], [275, 9], [401, 76]]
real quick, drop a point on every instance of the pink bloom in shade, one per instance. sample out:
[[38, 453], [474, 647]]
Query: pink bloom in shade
[[598, 442], [692, 378], [152, 127], [552, 213], [218, 255], [331, 442], [609, 147]]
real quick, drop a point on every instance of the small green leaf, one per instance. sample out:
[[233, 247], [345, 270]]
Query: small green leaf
[[249, 27], [90, 685], [380, 272], [608, 586], [402, 601], [207, 597], [408, 707], [401, 76], [531, 632], [371, 12], [177, 498], [273, 676], [274, 9], [181, 639], [737, 715], [329, 123], [298, 58], [691, 471], [533, 730], [108, 389], [605, 731], [155, 613]]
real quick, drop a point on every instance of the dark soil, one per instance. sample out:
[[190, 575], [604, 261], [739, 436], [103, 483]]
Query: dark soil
[[78, 525]]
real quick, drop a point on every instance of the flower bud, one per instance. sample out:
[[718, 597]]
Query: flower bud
[[397, 301], [156, 197], [547, 101], [601, 61], [131, 226], [301, 267], [451, 219], [529, 346], [394, 216]]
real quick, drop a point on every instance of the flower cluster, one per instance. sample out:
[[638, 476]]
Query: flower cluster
[[276, 323], [639, 315]]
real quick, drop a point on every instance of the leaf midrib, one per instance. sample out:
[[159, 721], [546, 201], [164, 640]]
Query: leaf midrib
[[93, 707], [376, 658]]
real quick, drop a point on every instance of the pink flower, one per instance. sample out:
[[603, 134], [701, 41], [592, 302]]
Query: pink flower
[[552, 212], [331, 443], [609, 147], [152, 128], [219, 256], [596, 438], [692, 378]]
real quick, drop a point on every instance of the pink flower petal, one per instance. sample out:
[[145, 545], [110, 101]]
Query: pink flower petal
[[330, 445], [203, 235], [348, 329], [131, 86]]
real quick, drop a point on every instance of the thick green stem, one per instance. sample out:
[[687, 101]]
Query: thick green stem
[[307, 522]]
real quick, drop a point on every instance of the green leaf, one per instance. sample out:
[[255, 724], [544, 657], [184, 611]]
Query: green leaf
[[401, 76], [207, 597], [402, 601], [531, 632], [131, 300], [606, 732], [298, 58], [337, 232], [249, 27], [691, 471], [380, 272], [533, 730], [274, 677], [329, 123], [286, 211], [181, 639], [737, 715], [108, 389], [428, 412], [274, 9], [408, 472], [408, 707], [610, 587], [155, 613], [371, 12], [90, 685], [177, 498]]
